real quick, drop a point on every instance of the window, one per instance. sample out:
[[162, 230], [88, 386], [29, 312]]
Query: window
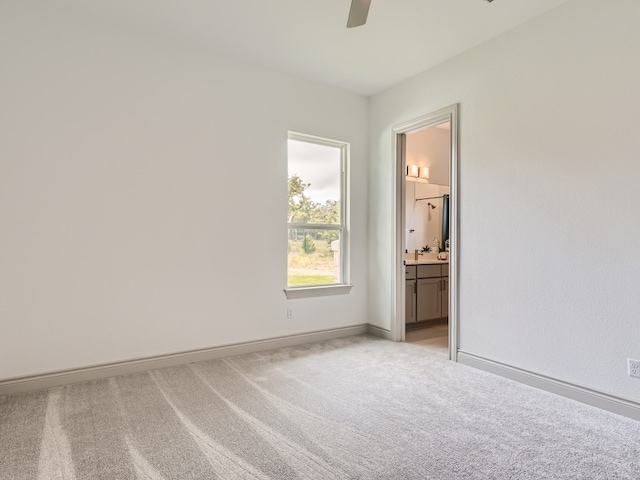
[[317, 238]]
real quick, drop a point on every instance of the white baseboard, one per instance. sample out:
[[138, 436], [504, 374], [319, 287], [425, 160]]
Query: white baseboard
[[379, 332], [95, 372], [611, 403]]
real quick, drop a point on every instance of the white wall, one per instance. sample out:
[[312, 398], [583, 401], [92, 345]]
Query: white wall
[[143, 194], [549, 171]]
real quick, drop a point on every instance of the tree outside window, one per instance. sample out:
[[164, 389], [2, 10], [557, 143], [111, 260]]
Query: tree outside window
[[316, 211]]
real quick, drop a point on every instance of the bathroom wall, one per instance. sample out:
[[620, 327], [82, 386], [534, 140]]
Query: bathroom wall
[[423, 222], [429, 147]]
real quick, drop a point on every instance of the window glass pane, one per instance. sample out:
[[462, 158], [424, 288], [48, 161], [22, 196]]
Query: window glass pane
[[314, 257], [314, 183]]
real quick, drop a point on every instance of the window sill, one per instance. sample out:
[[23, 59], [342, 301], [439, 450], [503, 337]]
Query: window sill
[[320, 291]]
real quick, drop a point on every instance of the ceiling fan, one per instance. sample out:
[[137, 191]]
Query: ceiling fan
[[359, 11]]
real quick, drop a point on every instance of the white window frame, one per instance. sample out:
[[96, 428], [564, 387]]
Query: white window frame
[[343, 228]]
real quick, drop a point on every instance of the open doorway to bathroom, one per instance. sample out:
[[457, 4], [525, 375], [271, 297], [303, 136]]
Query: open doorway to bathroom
[[426, 231], [427, 244]]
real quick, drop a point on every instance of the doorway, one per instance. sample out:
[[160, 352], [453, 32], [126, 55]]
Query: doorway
[[425, 171]]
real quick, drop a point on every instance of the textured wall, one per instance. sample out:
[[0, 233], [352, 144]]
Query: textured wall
[[143, 194], [548, 192]]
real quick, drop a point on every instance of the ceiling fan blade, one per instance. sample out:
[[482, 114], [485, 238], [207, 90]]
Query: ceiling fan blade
[[358, 13]]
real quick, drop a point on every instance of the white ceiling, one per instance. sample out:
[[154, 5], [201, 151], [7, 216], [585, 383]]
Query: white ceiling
[[309, 38]]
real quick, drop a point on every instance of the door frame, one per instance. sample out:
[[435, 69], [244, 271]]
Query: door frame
[[447, 114]]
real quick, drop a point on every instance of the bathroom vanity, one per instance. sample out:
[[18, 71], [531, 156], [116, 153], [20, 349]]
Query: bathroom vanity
[[427, 290]]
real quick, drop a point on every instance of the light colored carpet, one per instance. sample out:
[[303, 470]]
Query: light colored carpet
[[358, 407]]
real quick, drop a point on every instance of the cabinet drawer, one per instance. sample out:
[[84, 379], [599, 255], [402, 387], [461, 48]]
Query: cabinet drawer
[[445, 269], [428, 271], [410, 272]]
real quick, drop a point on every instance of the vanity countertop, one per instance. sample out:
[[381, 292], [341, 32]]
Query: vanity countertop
[[423, 261]]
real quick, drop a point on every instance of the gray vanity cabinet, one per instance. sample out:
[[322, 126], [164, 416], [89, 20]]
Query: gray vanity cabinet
[[445, 290], [410, 294], [427, 292], [410, 302], [429, 299]]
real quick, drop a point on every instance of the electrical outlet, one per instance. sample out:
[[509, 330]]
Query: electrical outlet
[[634, 368], [289, 312]]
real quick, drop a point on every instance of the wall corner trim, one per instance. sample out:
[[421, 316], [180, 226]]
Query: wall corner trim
[[604, 401], [65, 377], [379, 332]]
